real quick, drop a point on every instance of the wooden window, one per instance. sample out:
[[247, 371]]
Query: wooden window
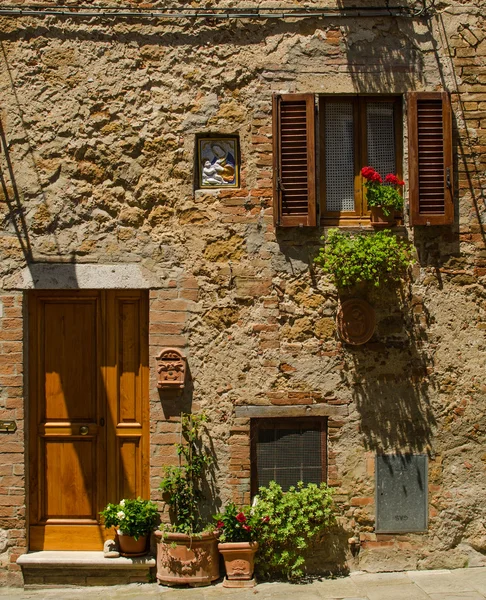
[[355, 131], [288, 451], [430, 158], [294, 160]]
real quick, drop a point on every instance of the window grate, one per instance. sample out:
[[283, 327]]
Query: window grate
[[339, 156], [288, 456], [381, 137]]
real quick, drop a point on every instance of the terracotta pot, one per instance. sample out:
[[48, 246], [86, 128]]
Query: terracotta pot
[[129, 546], [239, 561], [379, 219], [186, 560]]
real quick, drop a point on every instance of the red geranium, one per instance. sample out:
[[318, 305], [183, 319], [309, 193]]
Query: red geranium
[[235, 526], [393, 179], [371, 175]]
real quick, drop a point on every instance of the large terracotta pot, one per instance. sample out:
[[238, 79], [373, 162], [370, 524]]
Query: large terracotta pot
[[239, 562], [187, 560], [379, 219], [129, 546]]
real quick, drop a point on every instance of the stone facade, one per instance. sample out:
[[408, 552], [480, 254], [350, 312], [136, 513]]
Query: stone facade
[[99, 122]]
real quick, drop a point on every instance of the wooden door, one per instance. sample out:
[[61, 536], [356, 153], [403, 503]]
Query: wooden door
[[88, 375]]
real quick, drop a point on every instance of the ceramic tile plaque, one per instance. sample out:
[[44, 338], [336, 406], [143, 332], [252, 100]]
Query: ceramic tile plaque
[[401, 493], [218, 162]]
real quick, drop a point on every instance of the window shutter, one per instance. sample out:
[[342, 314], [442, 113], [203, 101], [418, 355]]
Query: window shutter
[[430, 158], [294, 182]]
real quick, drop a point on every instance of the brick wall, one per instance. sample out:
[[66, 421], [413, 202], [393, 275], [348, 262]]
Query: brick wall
[[12, 468]]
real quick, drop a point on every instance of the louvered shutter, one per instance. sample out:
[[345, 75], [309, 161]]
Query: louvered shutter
[[430, 158], [294, 162]]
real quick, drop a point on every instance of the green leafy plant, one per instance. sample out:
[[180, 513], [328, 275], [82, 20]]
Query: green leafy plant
[[182, 484], [132, 517], [380, 258], [295, 518], [237, 525], [386, 195]]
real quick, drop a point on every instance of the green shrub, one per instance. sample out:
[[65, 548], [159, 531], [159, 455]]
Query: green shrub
[[379, 258], [295, 518]]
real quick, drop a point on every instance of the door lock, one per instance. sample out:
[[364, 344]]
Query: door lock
[[84, 430]]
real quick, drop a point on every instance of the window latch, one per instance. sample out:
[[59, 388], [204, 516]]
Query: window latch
[[280, 185], [448, 177]]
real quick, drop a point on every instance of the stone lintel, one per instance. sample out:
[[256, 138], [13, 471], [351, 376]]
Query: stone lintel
[[301, 410], [62, 276]]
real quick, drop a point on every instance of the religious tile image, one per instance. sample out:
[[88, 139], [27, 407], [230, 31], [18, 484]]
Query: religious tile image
[[218, 162]]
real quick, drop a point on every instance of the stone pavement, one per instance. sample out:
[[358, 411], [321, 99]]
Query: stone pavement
[[459, 584]]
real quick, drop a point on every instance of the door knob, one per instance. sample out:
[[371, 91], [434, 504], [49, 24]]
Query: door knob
[[84, 430]]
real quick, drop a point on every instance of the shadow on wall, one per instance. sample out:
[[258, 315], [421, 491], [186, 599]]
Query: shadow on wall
[[15, 218], [332, 555], [383, 53], [389, 376], [467, 156]]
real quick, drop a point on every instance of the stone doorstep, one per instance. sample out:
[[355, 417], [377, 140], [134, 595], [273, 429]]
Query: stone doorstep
[[55, 559], [45, 569]]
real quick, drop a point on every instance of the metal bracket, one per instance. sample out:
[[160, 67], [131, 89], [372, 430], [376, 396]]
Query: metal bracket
[[8, 426]]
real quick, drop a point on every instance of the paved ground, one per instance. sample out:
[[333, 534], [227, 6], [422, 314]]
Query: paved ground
[[460, 584]]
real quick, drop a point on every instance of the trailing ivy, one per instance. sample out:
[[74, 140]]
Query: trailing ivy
[[379, 258], [295, 518]]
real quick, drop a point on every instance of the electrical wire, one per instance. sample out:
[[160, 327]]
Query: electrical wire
[[125, 12]]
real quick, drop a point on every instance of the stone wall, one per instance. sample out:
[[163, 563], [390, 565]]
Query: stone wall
[[99, 121]]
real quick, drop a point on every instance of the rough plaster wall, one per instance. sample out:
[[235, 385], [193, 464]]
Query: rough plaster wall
[[100, 120]]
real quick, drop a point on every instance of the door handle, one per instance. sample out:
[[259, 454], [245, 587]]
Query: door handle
[[84, 430]]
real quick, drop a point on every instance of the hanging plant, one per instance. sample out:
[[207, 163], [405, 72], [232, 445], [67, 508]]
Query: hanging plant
[[380, 258]]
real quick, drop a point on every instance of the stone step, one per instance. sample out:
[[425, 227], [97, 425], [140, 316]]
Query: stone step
[[51, 568]]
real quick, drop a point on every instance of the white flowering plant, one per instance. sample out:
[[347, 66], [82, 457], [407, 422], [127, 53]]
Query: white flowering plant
[[132, 517]]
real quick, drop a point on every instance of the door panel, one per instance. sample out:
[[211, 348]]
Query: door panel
[[88, 368], [70, 359], [126, 380], [77, 499]]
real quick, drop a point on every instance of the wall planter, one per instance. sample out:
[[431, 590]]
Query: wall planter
[[129, 546], [239, 562], [379, 219], [187, 560]]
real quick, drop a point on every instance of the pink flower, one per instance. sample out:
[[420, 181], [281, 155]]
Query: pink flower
[[265, 519], [247, 527], [220, 525], [240, 517]]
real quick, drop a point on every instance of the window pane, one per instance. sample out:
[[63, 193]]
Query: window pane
[[288, 456], [381, 137], [339, 156]]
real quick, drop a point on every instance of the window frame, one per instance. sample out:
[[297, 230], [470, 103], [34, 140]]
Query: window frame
[[361, 214], [314, 422]]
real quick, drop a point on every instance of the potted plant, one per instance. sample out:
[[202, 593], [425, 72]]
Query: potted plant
[[379, 258], [384, 199], [187, 551], [295, 519], [239, 531], [134, 521]]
